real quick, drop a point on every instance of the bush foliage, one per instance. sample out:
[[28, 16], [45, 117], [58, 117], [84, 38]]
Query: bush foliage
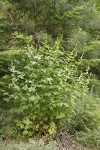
[[85, 121], [90, 138], [86, 117], [6, 58], [43, 88]]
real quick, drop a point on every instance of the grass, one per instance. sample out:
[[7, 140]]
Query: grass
[[31, 145]]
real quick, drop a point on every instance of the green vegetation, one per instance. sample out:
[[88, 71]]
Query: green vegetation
[[43, 90], [90, 138], [49, 83], [31, 145], [85, 121]]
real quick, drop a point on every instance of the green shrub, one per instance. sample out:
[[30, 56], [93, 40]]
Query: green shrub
[[86, 114], [94, 65], [85, 121], [94, 85], [44, 86], [7, 128], [90, 138], [5, 60]]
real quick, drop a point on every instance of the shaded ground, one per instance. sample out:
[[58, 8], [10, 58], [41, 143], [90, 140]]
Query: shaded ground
[[63, 141]]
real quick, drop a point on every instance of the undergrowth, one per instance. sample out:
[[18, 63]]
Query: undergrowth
[[31, 145], [44, 91]]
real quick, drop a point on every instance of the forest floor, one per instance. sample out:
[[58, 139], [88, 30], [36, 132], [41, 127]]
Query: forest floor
[[64, 141], [67, 142]]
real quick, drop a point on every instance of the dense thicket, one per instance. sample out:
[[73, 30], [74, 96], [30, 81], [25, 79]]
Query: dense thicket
[[27, 25], [33, 21]]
